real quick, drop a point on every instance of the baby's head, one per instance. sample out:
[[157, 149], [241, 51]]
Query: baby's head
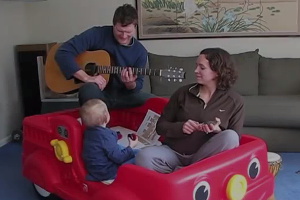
[[94, 113]]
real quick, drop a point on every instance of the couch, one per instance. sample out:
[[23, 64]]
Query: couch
[[270, 88]]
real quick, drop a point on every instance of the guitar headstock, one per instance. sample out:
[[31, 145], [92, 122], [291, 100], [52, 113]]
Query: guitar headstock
[[173, 73]]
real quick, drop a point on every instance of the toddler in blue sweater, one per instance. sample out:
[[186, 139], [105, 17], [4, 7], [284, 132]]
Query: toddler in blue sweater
[[101, 153]]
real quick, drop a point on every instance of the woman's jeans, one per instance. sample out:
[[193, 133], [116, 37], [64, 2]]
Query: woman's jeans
[[165, 160]]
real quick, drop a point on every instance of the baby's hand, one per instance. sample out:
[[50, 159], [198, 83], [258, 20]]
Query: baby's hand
[[119, 135], [133, 140]]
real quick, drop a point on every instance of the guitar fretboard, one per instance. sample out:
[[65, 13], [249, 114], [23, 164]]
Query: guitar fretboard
[[137, 71]]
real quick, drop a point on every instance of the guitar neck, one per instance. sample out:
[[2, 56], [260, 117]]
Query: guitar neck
[[137, 71]]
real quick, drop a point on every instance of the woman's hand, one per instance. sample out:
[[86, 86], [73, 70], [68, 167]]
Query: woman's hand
[[213, 127], [190, 126]]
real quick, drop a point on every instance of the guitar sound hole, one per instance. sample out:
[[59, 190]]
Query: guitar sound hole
[[91, 69]]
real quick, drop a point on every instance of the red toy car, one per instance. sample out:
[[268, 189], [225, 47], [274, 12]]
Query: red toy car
[[52, 160]]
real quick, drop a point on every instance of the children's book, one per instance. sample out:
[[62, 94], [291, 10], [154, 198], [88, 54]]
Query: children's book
[[147, 135]]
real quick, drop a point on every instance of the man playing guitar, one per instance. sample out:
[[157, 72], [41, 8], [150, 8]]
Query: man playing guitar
[[122, 90]]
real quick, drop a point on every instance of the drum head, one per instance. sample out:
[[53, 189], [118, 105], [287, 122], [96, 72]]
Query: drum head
[[273, 157]]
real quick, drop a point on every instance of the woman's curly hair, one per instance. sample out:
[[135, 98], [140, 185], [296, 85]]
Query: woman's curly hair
[[221, 62]]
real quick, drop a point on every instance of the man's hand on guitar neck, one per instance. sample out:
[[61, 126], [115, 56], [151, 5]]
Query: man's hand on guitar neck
[[99, 80], [128, 78]]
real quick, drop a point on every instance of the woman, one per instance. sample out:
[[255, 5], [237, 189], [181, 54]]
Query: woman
[[201, 119]]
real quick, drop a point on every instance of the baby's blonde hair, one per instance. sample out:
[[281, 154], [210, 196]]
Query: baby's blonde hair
[[94, 113]]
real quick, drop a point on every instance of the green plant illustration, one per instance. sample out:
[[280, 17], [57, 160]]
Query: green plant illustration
[[236, 19], [211, 16]]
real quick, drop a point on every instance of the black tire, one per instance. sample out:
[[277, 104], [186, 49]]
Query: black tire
[[44, 194], [17, 135]]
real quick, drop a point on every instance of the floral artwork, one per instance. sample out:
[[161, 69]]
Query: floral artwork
[[217, 18]]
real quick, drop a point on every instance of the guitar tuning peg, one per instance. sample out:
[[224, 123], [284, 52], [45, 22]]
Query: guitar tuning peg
[[181, 69], [174, 80], [169, 79], [180, 80]]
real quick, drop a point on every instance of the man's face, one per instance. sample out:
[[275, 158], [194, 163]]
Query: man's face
[[123, 34]]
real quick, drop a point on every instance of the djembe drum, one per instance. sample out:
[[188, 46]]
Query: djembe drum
[[275, 162]]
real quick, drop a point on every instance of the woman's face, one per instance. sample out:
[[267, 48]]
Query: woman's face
[[204, 74]]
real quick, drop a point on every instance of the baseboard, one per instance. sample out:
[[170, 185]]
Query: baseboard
[[5, 140]]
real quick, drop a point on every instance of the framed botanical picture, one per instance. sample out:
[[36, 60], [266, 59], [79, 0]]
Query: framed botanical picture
[[217, 18]]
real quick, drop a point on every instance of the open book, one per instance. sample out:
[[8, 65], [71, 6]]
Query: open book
[[146, 133]]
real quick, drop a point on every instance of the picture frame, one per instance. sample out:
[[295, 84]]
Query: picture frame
[[167, 19]]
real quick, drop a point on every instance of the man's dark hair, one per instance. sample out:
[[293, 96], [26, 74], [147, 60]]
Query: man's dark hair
[[220, 61], [125, 15]]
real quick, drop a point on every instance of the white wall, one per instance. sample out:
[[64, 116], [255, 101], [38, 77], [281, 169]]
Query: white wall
[[14, 30], [57, 20]]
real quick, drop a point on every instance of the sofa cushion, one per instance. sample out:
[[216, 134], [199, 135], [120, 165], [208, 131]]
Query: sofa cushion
[[279, 76], [272, 111], [247, 67], [163, 87], [146, 85]]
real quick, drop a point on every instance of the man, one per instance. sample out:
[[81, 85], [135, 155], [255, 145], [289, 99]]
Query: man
[[122, 90]]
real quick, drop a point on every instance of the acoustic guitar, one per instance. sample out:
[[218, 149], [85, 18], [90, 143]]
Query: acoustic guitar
[[94, 63]]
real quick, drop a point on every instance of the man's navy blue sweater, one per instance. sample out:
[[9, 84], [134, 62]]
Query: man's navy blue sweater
[[102, 38]]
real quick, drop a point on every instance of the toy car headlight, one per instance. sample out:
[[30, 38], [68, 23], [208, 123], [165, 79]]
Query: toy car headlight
[[236, 187]]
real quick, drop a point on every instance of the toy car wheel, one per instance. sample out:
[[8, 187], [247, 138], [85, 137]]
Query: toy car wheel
[[17, 135], [44, 194]]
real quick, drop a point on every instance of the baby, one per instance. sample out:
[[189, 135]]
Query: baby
[[101, 153]]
